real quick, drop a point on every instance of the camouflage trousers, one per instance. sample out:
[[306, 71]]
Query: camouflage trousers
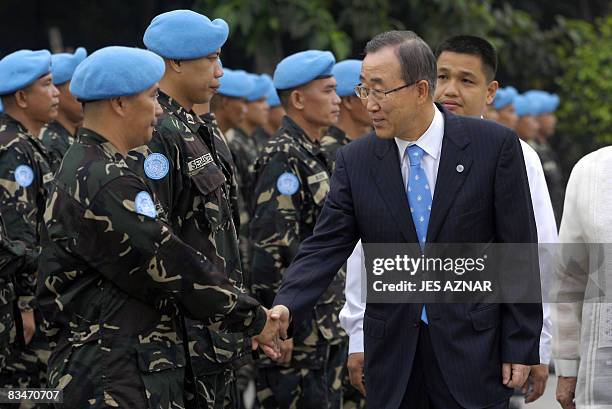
[[280, 387], [26, 367], [214, 391], [7, 332]]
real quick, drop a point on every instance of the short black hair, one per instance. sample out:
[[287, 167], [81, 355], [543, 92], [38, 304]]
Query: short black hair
[[478, 46], [416, 58]]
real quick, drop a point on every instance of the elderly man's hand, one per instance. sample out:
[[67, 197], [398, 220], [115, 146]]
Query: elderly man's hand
[[566, 391]]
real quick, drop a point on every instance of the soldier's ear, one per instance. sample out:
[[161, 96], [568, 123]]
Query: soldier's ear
[[21, 99], [296, 99], [173, 65], [118, 105]]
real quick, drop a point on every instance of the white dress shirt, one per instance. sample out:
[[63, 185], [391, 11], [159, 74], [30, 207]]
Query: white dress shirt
[[351, 316]]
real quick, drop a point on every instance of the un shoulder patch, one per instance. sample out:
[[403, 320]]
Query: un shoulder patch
[[156, 166], [287, 184], [144, 205], [24, 175]]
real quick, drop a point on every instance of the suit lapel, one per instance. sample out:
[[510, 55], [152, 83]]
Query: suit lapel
[[455, 164], [388, 176]]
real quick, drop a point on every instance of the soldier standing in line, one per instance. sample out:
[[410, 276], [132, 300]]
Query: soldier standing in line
[[275, 118], [189, 170], [504, 106], [30, 100], [354, 120], [229, 109], [292, 183], [57, 136], [546, 106], [115, 279], [258, 111]]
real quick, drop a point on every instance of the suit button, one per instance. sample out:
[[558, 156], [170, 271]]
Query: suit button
[[416, 324]]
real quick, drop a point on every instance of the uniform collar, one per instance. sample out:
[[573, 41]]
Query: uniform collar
[[297, 133], [89, 137], [189, 118]]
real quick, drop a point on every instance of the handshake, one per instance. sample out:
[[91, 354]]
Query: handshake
[[272, 338]]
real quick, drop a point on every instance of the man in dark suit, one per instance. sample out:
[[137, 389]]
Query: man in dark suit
[[439, 356]]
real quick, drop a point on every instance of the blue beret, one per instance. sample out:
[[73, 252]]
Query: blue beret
[[273, 99], [544, 102], [21, 68], [237, 84], [64, 64], [261, 88], [185, 35], [504, 97], [346, 74], [1, 107], [525, 105], [301, 68], [113, 72]]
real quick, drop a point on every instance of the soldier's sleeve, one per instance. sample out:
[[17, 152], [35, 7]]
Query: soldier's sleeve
[[18, 205], [121, 238], [275, 228]]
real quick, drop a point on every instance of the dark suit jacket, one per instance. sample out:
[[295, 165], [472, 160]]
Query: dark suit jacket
[[488, 201]]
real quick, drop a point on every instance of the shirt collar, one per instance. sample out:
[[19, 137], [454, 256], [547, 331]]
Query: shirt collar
[[430, 141]]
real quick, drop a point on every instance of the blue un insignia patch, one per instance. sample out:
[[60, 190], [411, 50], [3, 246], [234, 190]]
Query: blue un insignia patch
[[156, 166], [287, 184], [144, 205], [24, 175]]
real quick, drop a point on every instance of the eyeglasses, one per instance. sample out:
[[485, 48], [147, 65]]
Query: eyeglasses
[[364, 92]]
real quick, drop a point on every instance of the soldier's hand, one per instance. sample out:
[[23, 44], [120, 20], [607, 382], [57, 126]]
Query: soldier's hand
[[281, 313], [286, 350], [29, 325], [536, 383], [355, 370], [268, 339], [566, 391]]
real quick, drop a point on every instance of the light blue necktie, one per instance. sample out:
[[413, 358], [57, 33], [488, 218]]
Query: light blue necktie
[[419, 198]]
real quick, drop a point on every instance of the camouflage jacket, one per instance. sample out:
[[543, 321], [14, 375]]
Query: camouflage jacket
[[334, 139], [56, 139], [244, 151], [24, 179], [188, 167], [113, 280], [261, 138], [11, 260], [292, 183], [553, 175]]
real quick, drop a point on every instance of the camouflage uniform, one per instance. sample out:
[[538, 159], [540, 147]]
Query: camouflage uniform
[[244, 151], [10, 261], [56, 139], [261, 138], [553, 175], [281, 222], [334, 139], [114, 278], [199, 194], [331, 142], [24, 180]]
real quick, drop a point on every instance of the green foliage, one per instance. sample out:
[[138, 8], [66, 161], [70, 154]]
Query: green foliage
[[586, 83], [563, 54]]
